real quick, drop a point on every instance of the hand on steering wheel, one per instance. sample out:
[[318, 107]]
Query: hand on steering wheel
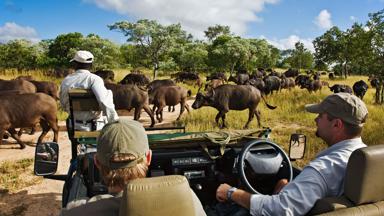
[[269, 163]]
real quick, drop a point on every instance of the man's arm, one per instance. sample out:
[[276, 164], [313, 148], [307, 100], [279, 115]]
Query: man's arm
[[296, 198], [105, 97], [239, 196]]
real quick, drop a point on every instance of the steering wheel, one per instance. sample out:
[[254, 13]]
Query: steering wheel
[[269, 163]]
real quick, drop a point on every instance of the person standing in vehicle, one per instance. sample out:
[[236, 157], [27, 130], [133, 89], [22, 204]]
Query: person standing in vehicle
[[82, 78], [122, 155], [340, 121]]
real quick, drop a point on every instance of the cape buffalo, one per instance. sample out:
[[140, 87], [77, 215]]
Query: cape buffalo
[[152, 86], [360, 88], [232, 97], [107, 75], [287, 83], [20, 86], [213, 84], [217, 75], [131, 96], [240, 78], [26, 110], [340, 88], [291, 73], [136, 79], [191, 78], [312, 85], [169, 96], [272, 83], [158, 83], [47, 87]]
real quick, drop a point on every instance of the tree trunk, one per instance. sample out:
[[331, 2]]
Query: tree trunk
[[345, 69], [155, 69], [232, 68], [379, 96]]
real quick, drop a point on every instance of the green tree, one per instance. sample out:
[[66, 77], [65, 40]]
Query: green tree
[[63, 47], [214, 31], [194, 57], [362, 55], [153, 39], [227, 51], [132, 56], [334, 47], [301, 57], [18, 54], [376, 26], [262, 54], [107, 54]]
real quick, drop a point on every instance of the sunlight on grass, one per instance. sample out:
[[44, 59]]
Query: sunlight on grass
[[15, 175], [290, 117]]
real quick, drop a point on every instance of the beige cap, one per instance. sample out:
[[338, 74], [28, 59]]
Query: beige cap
[[122, 137], [342, 105], [83, 56]]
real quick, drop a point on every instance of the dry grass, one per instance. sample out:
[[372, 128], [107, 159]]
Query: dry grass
[[15, 175], [290, 117]]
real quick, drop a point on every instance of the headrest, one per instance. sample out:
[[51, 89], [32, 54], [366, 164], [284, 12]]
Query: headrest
[[165, 195], [364, 176]]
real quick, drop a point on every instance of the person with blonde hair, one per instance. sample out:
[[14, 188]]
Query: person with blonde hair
[[122, 155]]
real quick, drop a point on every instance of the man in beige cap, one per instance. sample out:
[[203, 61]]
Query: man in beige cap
[[340, 120], [122, 155], [82, 78]]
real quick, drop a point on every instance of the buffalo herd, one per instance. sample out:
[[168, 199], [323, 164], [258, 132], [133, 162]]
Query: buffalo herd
[[27, 102]]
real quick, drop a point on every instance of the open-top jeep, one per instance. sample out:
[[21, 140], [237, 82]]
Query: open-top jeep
[[247, 159]]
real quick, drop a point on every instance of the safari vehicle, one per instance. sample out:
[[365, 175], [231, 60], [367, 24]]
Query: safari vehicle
[[247, 159]]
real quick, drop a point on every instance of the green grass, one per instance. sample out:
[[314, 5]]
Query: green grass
[[14, 175]]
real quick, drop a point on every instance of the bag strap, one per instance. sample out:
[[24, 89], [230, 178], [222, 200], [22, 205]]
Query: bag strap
[[222, 141]]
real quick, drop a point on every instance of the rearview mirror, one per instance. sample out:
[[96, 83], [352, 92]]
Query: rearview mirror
[[297, 145], [46, 158]]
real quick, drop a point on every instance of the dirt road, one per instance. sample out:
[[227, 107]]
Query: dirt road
[[44, 199]]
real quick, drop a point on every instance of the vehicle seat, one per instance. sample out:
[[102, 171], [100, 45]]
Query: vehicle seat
[[363, 189], [164, 195], [82, 100]]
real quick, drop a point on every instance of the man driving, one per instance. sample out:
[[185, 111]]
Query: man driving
[[122, 155], [340, 121]]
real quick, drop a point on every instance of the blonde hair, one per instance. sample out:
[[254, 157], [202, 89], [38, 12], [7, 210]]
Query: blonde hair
[[121, 177]]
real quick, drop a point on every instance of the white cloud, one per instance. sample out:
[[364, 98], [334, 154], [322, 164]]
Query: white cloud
[[289, 42], [353, 18], [12, 31], [323, 20], [195, 16]]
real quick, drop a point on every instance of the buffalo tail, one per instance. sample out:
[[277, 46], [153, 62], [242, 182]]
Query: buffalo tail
[[269, 106]]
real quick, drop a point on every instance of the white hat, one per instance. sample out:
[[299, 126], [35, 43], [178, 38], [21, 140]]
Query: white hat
[[83, 56]]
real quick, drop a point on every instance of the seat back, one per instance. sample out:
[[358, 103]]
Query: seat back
[[82, 100], [164, 195], [364, 176], [363, 186]]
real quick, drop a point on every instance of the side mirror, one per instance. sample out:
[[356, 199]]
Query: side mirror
[[297, 146], [46, 158]]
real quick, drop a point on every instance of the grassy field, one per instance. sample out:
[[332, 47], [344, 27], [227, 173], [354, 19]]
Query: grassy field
[[16, 175], [289, 116]]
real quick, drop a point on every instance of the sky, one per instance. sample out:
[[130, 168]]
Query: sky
[[281, 22]]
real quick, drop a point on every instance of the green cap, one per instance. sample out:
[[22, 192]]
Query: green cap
[[122, 137], [344, 106]]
